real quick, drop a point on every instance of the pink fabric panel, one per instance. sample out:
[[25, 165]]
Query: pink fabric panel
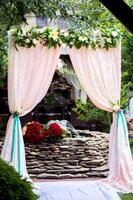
[[30, 72], [120, 158], [99, 72]]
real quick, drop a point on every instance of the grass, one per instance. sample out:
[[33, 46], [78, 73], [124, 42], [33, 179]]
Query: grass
[[126, 196], [131, 144]]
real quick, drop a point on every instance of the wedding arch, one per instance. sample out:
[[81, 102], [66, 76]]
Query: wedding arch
[[33, 56]]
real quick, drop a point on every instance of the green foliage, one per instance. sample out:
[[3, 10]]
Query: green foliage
[[125, 90], [51, 37], [127, 60], [48, 36], [12, 13], [12, 187], [3, 60], [88, 112], [94, 38], [131, 144], [126, 196], [79, 14]]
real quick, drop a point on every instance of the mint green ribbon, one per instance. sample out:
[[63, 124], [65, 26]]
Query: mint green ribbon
[[15, 132], [120, 117]]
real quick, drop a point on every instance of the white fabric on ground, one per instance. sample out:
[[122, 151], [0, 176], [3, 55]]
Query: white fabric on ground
[[75, 190]]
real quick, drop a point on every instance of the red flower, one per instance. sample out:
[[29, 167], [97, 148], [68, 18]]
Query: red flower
[[33, 132], [44, 134], [54, 130]]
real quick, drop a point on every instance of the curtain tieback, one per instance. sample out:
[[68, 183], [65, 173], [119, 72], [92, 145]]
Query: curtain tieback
[[16, 133], [120, 119], [116, 108], [18, 110]]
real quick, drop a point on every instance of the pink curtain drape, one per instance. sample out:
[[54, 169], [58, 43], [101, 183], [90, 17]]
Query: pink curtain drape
[[99, 72], [30, 72]]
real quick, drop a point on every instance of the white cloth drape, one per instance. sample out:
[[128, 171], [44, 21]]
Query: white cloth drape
[[75, 190], [99, 72], [30, 72], [79, 92]]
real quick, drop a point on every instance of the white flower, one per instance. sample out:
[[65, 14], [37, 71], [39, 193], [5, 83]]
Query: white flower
[[71, 43], [27, 29], [13, 30], [109, 40], [27, 41], [114, 33], [116, 108], [54, 35], [24, 32], [18, 109], [35, 41], [83, 38], [64, 45], [95, 32], [66, 34]]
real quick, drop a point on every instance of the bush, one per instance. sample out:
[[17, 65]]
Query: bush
[[126, 196], [89, 113], [12, 187]]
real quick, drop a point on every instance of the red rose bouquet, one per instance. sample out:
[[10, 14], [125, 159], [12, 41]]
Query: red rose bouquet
[[54, 130], [32, 132]]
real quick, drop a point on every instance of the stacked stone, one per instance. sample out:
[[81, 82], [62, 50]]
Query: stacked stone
[[60, 83], [80, 157]]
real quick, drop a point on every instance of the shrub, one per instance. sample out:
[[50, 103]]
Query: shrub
[[89, 113], [12, 187]]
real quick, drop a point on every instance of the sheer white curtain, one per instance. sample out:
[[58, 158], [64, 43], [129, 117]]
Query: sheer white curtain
[[99, 72], [79, 92], [30, 72]]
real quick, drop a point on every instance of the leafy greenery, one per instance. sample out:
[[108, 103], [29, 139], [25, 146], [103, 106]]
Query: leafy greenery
[[126, 196], [131, 144], [88, 112], [50, 37], [29, 38], [127, 60], [79, 15], [3, 60], [12, 187], [94, 38]]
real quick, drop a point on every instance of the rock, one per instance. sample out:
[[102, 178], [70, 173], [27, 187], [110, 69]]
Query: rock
[[79, 157], [72, 167], [36, 171], [101, 168], [45, 175]]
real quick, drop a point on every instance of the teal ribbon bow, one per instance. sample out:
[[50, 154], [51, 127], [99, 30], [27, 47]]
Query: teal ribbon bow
[[120, 117], [15, 133]]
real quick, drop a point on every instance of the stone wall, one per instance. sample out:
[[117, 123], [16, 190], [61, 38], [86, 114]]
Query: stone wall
[[80, 157]]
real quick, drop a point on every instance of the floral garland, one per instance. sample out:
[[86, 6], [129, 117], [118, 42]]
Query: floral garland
[[53, 37], [47, 36]]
